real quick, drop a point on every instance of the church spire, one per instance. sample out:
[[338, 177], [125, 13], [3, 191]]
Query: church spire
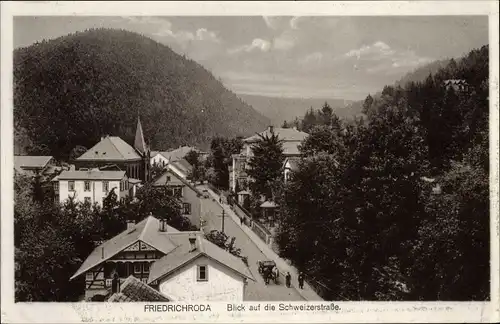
[[139, 143]]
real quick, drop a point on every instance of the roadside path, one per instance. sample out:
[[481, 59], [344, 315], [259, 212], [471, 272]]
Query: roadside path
[[254, 248]]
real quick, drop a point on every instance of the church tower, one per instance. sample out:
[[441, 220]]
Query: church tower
[[143, 149]]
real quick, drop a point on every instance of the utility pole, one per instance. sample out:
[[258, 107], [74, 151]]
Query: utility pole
[[223, 217]]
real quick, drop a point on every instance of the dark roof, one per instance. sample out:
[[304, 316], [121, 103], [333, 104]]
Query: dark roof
[[30, 162], [285, 134], [184, 254], [145, 231], [91, 175], [134, 290], [111, 148]]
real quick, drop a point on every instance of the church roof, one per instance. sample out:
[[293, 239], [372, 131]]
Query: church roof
[[111, 148], [139, 143]]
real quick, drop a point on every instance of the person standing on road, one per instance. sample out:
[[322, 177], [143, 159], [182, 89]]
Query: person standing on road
[[288, 279], [242, 220], [301, 280]]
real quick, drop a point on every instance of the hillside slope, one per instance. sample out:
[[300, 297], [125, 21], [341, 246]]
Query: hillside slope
[[417, 75], [72, 90], [281, 109]]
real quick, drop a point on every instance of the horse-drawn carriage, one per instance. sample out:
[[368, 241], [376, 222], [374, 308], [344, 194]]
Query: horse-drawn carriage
[[269, 271]]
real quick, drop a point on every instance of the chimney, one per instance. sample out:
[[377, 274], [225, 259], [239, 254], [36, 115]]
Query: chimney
[[163, 225], [271, 129], [192, 242], [130, 224]]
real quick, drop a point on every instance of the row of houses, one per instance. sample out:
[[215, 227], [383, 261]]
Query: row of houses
[[112, 165], [154, 259]]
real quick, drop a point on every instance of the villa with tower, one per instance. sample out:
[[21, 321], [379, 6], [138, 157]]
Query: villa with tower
[[114, 153]]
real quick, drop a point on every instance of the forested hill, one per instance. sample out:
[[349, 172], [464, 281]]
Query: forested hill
[[72, 90], [417, 75]]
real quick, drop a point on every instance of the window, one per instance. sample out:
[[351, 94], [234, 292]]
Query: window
[[202, 273], [137, 267], [105, 186], [187, 208], [168, 179], [89, 275], [86, 186], [71, 185], [178, 192], [145, 267], [121, 186], [87, 200], [56, 186]]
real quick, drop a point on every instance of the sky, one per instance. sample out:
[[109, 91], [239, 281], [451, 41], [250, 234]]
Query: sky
[[339, 57]]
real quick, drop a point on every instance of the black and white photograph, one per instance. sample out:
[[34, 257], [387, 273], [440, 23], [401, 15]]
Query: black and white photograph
[[245, 159]]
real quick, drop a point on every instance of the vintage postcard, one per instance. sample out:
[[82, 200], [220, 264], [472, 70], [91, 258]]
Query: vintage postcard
[[250, 162]]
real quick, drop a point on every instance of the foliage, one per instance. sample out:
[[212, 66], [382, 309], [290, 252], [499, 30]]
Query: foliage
[[198, 173], [76, 152], [220, 159], [266, 164], [379, 230], [90, 84], [225, 242]]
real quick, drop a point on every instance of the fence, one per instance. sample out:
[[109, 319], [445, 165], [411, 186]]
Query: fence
[[262, 232]]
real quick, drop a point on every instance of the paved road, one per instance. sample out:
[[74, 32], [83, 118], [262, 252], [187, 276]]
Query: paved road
[[255, 290]]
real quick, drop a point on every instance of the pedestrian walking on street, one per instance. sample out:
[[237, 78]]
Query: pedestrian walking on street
[[242, 221], [220, 200], [288, 279], [301, 280]]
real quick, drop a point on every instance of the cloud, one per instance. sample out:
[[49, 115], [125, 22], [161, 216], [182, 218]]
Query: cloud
[[296, 21], [257, 44], [206, 35], [284, 42], [375, 51], [272, 21], [314, 58]]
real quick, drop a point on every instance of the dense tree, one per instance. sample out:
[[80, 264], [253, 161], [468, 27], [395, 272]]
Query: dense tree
[[266, 164], [225, 242], [367, 195], [222, 150]]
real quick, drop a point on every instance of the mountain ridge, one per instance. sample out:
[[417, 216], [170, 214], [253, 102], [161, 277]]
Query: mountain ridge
[[73, 89]]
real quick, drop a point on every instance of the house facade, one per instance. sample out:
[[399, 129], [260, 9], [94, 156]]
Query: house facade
[[112, 150], [200, 271], [189, 196], [91, 186], [238, 172], [155, 253], [290, 165]]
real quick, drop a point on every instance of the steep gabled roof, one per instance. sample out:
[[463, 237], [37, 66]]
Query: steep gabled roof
[[134, 290], [111, 148], [183, 254], [139, 142], [145, 231], [183, 165], [285, 134]]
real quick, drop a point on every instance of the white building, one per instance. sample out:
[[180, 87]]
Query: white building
[[199, 271], [91, 186]]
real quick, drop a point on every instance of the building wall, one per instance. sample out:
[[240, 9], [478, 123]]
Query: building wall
[[222, 284], [96, 193]]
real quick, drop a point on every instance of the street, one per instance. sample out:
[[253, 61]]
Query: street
[[255, 290]]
